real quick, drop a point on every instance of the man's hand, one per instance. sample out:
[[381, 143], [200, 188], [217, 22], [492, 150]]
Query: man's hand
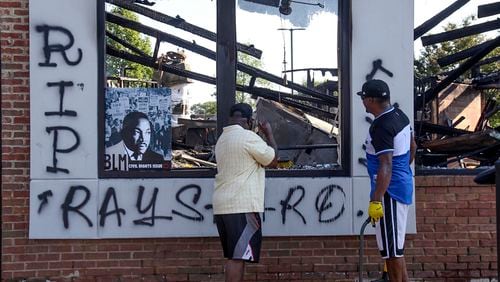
[[375, 211], [265, 128]]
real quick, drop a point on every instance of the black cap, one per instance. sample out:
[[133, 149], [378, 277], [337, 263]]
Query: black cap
[[244, 109], [375, 88]]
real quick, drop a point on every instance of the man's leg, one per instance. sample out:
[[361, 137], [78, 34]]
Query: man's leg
[[396, 268], [235, 270], [390, 233]]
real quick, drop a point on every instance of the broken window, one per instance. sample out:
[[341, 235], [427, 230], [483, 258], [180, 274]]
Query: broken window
[[288, 70]]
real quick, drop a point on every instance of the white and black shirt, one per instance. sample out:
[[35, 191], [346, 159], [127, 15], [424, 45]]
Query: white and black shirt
[[391, 132]]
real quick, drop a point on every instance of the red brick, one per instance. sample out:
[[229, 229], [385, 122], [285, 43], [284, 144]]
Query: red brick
[[37, 265], [5, 4]]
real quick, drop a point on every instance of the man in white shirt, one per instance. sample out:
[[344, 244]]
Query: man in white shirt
[[238, 196]]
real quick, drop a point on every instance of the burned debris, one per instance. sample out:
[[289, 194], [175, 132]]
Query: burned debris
[[452, 112], [311, 112]]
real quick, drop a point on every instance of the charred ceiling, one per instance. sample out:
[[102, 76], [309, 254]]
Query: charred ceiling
[[444, 103]]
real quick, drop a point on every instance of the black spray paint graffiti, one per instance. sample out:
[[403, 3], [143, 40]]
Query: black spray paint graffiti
[[67, 207], [324, 197], [377, 65], [50, 47], [56, 149], [196, 198], [44, 198], [103, 211], [150, 221], [110, 205], [286, 206], [62, 85]]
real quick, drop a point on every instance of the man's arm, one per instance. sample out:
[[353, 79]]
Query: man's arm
[[413, 148], [265, 128], [383, 176]]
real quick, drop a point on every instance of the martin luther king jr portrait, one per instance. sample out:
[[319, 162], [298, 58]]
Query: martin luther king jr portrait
[[136, 134]]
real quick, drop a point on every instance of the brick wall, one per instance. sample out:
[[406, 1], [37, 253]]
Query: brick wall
[[455, 219]]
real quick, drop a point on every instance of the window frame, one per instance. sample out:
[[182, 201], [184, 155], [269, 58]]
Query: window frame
[[345, 147]]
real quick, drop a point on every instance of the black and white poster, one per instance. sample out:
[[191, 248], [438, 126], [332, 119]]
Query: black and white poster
[[138, 134]]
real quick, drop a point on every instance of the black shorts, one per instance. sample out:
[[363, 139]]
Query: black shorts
[[391, 229], [240, 235]]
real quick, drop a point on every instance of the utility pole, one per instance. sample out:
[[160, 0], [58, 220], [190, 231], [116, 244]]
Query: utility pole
[[291, 47]]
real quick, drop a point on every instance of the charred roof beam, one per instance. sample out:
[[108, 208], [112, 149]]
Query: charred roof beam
[[300, 98], [261, 92], [478, 64], [488, 61], [461, 32], [192, 46], [126, 44], [180, 23], [432, 22], [151, 62], [332, 71], [433, 92], [422, 126], [466, 53], [488, 10]]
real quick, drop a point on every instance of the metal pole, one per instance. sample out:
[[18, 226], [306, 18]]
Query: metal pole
[[291, 47]]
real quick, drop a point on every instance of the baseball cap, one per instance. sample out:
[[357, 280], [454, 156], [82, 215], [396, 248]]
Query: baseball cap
[[244, 108], [375, 88]]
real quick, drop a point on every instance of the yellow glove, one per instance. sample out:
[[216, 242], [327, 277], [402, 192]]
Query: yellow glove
[[375, 211]]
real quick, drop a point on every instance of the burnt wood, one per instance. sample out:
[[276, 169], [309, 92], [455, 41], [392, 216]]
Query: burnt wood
[[332, 71], [252, 71], [433, 92], [296, 102], [432, 22], [464, 143], [180, 23], [488, 10], [422, 126], [126, 44], [466, 53], [461, 32]]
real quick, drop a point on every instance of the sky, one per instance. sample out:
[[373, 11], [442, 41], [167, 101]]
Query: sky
[[313, 47]]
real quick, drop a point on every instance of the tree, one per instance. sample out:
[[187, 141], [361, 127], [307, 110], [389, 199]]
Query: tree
[[115, 66], [207, 108], [244, 79]]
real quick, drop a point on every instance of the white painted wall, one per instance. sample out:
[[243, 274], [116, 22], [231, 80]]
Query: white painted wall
[[382, 29], [79, 18], [313, 209]]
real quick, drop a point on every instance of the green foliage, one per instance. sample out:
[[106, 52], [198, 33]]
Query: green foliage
[[207, 108], [115, 66], [494, 121], [244, 79], [426, 65]]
